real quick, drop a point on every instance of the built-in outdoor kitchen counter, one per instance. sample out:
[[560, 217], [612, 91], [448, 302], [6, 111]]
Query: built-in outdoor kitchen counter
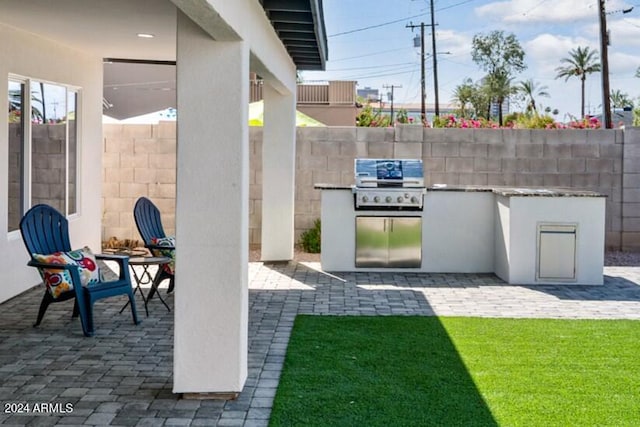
[[523, 235]]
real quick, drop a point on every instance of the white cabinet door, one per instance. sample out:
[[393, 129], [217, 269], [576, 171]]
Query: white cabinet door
[[556, 252]]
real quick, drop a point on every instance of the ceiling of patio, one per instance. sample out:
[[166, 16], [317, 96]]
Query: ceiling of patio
[[110, 28]]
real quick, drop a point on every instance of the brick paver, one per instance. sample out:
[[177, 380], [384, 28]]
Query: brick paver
[[123, 375]]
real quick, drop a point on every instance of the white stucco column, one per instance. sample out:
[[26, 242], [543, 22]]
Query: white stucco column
[[278, 175], [211, 300]]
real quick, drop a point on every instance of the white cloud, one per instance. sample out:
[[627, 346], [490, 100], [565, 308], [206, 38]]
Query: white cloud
[[623, 64], [545, 11], [546, 29], [624, 32], [546, 51], [534, 11]]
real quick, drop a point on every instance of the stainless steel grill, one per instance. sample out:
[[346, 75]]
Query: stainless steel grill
[[389, 184]]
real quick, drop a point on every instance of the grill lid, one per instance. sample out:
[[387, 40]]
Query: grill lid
[[389, 173]]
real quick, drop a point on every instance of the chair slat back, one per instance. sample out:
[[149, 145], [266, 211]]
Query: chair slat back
[[148, 220], [45, 230]]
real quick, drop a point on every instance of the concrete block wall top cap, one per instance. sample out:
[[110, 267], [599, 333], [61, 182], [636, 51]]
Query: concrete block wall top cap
[[324, 186], [465, 188], [545, 192]]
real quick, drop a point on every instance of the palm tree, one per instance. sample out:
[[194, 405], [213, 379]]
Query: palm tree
[[620, 99], [530, 89], [581, 61], [463, 96], [500, 88]]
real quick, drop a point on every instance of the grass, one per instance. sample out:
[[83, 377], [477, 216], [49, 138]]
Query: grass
[[430, 371]]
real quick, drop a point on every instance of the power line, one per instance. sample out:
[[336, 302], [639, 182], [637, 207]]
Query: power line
[[454, 5], [372, 66], [423, 111], [371, 76], [392, 87], [370, 27], [534, 7], [369, 54]]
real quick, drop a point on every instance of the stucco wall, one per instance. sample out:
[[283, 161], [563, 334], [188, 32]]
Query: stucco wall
[[29, 56], [138, 160], [331, 115]]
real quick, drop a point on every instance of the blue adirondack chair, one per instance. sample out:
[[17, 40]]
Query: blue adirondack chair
[[149, 223], [45, 231]]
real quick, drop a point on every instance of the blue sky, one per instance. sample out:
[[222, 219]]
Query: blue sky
[[546, 29]]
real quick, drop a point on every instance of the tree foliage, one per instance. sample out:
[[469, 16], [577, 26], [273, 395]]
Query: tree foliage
[[368, 117], [473, 99], [620, 99], [501, 57], [463, 98], [530, 90], [580, 62]]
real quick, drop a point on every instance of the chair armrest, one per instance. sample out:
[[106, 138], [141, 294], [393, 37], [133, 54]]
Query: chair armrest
[[74, 271], [123, 263], [38, 264], [151, 247], [111, 257]]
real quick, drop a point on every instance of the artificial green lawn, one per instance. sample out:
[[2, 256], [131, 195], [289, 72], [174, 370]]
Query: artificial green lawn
[[435, 371]]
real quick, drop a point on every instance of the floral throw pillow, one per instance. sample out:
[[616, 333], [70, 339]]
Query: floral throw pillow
[[58, 281], [170, 252]]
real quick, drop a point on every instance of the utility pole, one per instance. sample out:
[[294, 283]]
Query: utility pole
[[423, 112], [435, 61], [604, 59], [391, 87]]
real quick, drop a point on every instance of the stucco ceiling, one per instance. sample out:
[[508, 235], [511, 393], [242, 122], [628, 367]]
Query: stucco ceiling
[[106, 27], [134, 89], [110, 29]]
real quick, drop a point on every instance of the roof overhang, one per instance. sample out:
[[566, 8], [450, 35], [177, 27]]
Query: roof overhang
[[300, 26]]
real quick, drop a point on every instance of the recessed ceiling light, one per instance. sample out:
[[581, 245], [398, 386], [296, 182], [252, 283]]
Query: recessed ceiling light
[[145, 35]]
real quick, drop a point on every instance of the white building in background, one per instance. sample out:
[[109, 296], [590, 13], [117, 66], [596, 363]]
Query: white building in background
[[369, 94]]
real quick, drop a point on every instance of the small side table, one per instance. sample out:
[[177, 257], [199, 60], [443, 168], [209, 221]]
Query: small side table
[[146, 278]]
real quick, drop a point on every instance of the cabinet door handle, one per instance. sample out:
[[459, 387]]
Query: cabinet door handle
[[391, 222]]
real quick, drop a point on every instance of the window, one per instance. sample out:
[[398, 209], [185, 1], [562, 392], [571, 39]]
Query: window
[[16, 153], [43, 151]]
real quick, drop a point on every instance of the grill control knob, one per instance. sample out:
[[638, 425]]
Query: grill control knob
[[400, 199], [388, 199], [376, 199], [414, 200], [365, 199]]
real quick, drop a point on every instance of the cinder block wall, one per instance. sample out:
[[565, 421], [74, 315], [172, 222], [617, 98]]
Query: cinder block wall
[[48, 178], [140, 160], [630, 201]]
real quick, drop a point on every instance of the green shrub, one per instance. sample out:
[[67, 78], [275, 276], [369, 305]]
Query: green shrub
[[310, 239], [534, 121], [369, 117]]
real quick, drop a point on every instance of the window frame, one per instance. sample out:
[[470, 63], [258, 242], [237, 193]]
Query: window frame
[[27, 146]]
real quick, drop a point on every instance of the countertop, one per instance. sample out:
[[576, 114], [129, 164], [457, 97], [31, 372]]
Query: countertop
[[501, 191]]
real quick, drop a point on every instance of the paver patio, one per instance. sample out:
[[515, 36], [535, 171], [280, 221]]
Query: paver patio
[[123, 375]]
